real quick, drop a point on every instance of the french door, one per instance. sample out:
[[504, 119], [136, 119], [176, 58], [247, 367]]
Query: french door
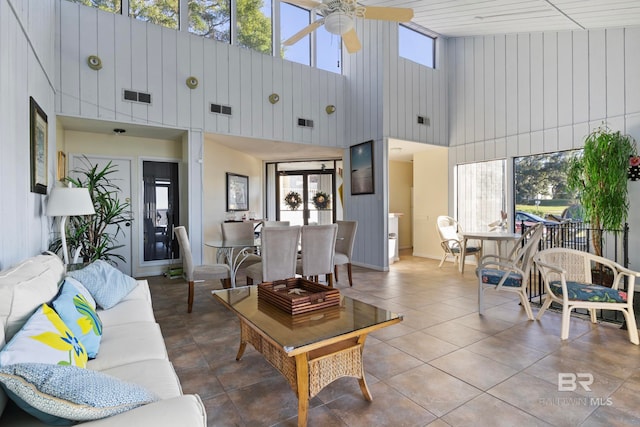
[[306, 197]]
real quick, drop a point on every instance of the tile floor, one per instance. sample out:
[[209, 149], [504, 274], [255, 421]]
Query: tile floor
[[444, 365]]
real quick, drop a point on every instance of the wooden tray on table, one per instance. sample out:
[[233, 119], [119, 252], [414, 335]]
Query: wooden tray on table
[[297, 295]]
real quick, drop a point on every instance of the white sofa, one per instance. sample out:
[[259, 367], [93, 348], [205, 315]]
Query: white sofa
[[131, 349]]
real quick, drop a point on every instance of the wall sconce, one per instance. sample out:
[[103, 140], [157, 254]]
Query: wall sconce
[[94, 62], [330, 109], [274, 98], [192, 82]]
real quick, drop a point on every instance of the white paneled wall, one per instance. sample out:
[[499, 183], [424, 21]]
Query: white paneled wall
[[145, 57], [540, 92], [27, 61]]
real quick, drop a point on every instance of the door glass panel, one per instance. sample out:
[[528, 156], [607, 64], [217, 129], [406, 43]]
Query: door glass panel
[[319, 199], [161, 213], [291, 199]]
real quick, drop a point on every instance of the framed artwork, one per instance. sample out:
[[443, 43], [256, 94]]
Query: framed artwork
[[237, 192], [38, 137], [362, 168], [62, 166]]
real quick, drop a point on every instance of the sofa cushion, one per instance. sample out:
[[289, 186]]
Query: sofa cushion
[[25, 287], [107, 284], [587, 292], [44, 339], [129, 343], [77, 313], [156, 375], [60, 395]]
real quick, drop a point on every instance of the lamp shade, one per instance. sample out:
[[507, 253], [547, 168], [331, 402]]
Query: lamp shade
[[338, 23], [69, 201]]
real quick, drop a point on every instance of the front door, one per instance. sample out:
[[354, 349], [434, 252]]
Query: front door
[[306, 197], [122, 178]]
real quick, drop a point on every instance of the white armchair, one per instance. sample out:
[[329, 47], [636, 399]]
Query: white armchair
[[568, 281]]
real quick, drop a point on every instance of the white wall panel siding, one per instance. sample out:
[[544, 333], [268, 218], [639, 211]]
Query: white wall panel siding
[[183, 96], [69, 58], [197, 107], [88, 78], [107, 92], [631, 67], [597, 75], [479, 89], [536, 87], [524, 83], [122, 64], [549, 80], [500, 115], [614, 72], [26, 46], [565, 78], [169, 98], [511, 79], [489, 87], [139, 71], [154, 79], [581, 76]]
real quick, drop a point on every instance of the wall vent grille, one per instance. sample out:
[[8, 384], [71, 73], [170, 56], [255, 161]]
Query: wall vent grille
[[220, 109], [422, 120], [133, 96], [307, 123]]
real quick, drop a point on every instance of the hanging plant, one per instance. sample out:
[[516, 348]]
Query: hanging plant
[[321, 200], [293, 200]]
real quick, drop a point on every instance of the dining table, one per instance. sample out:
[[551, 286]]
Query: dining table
[[500, 237], [233, 253]]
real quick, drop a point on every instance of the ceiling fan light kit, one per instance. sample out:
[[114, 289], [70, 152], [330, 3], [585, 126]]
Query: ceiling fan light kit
[[338, 17]]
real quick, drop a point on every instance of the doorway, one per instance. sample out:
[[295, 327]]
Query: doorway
[[161, 211], [305, 192]]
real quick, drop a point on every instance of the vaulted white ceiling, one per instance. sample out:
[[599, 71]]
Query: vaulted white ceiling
[[456, 18]]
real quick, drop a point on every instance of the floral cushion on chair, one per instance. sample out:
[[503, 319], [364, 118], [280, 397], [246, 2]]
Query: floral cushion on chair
[[587, 292], [469, 250], [492, 276]]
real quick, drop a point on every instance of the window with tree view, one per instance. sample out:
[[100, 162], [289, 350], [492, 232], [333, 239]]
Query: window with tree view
[[160, 12], [541, 186]]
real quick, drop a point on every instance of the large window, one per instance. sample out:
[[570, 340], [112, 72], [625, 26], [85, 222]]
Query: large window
[[254, 25], [211, 19], [416, 46], [107, 5], [480, 189], [292, 20], [160, 12], [328, 50]]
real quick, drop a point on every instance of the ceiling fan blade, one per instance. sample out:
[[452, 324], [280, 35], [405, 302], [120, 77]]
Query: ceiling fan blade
[[399, 14], [310, 4], [303, 32], [351, 41]]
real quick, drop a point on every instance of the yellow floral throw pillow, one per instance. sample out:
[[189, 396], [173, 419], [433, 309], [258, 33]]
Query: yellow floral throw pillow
[[44, 339]]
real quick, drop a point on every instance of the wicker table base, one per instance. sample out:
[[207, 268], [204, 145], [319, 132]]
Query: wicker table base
[[309, 372]]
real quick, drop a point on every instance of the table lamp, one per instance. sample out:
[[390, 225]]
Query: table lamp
[[65, 202]]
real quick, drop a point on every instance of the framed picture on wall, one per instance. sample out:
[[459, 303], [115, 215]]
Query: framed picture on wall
[[237, 192], [362, 168], [38, 136]]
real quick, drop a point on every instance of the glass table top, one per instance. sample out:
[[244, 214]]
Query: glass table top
[[294, 331]]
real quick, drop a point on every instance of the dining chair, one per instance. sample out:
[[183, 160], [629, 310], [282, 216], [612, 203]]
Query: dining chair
[[510, 273], [279, 248], [276, 223], [450, 231], [241, 231], [568, 281], [198, 273], [344, 247], [318, 250]]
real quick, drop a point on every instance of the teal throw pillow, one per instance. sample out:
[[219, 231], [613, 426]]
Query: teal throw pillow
[[64, 395], [77, 313], [107, 284]]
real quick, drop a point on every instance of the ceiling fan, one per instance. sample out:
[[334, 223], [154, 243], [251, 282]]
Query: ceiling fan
[[338, 18]]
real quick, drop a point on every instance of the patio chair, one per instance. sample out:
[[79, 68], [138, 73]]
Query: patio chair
[[240, 231], [451, 242], [510, 273], [567, 275], [318, 251], [198, 273], [344, 247]]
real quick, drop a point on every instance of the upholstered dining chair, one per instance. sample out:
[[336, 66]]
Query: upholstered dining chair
[[198, 273], [279, 248], [344, 247], [318, 251], [240, 231], [568, 281], [510, 273], [449, 231], [276, 223]]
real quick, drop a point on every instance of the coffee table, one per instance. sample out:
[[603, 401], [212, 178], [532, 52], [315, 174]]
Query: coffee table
[[310, 350]]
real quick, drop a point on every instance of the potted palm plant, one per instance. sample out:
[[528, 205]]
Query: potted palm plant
[[97, 235], [599, 175]]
